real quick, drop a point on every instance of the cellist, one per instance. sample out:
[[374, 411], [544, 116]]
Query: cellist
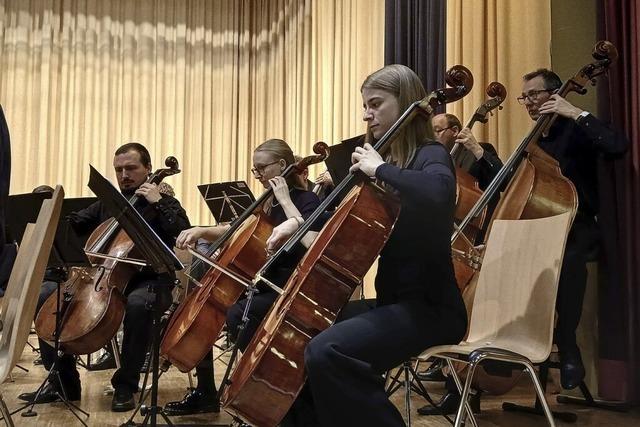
[[576, 140], [415, 282], [291, 204], [132, 164]]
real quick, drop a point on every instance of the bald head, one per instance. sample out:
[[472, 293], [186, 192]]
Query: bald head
[[446, 128]]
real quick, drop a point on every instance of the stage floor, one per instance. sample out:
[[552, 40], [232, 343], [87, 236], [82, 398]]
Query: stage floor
[[174, 384]]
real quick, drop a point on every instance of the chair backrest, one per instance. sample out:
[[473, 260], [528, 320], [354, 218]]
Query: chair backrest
[[21, 296], [514, 304]]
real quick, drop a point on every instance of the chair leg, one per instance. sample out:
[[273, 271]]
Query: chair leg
[[464, 405], [407, 391], [456, 380], [5, 412], [540, 393]]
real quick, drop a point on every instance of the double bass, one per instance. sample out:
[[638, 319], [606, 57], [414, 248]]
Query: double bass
[[269, 376], [92, 301], [469, 192], [535, 186], [195, 326]]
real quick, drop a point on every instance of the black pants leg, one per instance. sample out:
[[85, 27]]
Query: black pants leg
[[582, 242], [260, 305], [138, 330], [204, 374], [69, 375], [345, 363]]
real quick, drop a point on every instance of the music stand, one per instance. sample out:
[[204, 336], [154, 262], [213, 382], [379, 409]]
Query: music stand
[[66, 252], [226, 200], [157, 255], [339, 160]]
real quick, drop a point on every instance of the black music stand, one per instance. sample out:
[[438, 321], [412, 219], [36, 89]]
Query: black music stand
[[66, 252], [157, 255], [226, 200]]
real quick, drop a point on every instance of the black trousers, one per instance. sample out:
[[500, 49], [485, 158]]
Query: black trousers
[[259, 308], [137, 327], [260, 305], [582, 245], [345, 363]]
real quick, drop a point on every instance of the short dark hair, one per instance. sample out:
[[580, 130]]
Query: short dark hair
[[43, 189], [145, 157], [452, 121], [551, 80]]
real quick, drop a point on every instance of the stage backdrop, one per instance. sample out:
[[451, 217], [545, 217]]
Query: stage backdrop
[[205, 81]]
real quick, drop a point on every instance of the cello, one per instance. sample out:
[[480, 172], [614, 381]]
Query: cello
[[536, 187], [270, 374], [468, 193], [196, 324], [93, 301]]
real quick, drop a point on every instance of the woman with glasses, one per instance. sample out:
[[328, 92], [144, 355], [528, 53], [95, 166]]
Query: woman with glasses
[[289, 203]]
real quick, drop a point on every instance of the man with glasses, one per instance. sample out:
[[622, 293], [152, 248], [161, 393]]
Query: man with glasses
[[576, 140], [479, 159]]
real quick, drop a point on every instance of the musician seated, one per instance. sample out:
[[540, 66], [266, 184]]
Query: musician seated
[[165, 215], [576, 140], [290, 204], [479, 159]]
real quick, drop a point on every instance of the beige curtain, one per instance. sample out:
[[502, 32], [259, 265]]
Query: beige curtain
[[203, 80], [498, 40]]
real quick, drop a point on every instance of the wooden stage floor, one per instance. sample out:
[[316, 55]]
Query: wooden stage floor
[[174, 384]]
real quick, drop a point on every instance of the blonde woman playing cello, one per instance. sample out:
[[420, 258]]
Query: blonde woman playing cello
[[418, 302]]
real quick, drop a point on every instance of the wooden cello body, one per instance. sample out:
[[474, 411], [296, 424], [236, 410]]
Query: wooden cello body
[[468, 193], [270, 373], [198, 321], [93, 301]]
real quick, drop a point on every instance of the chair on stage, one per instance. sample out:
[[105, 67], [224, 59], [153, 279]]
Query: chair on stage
[[19, 302], [514, 304]]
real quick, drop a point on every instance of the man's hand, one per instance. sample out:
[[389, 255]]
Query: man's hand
[[366, 159], [466, 138], [324, 179], [150, 192], [559, 105]]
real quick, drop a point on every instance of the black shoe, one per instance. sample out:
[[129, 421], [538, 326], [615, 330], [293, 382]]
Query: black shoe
[[433, 373], [49, 394], [194, 402], [105, 361], [122, 400], [449, 403], [571, 369]]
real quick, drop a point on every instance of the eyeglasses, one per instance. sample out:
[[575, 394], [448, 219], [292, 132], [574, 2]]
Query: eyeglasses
[[532, 96], [259, 170], [439, 131]]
